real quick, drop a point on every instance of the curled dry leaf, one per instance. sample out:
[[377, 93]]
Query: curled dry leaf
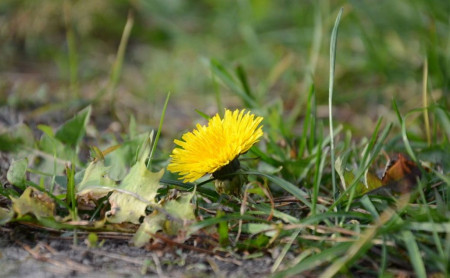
[[173, 218], [400, 176], [35, 202]]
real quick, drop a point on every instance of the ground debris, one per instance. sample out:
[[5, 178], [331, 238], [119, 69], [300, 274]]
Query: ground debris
[[28, 252]]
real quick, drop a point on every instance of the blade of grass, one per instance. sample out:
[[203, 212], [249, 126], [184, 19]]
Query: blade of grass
[[408, 147], [222, 230], [364, 167], [312, 129], [289, 187], [228, 80], [402, 121], [320, 162], [366, 156], [72, 50], [314, 55], [286, 248], [118, 62], [414, 253], [315, 219], [368, 205], [70, 194], [242, 76], [437, 242], [361, 245], [315, 260], [158, 133], [203, 114], [307, 122], [220, 107], [333, 43], [267, 210], [397, 111], [443, 116], [53, 180], [117, 68], [425, 101], [384, 254], [225, 218]]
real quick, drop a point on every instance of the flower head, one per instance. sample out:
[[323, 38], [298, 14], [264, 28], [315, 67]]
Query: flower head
[[209, 148]]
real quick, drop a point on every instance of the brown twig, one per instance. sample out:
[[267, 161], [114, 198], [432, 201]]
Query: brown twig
[[111, 255], [67, 263]]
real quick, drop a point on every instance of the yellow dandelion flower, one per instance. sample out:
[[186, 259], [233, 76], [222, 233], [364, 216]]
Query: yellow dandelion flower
[[215, 147]]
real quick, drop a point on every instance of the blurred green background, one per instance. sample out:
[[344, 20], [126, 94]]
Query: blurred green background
[[59, 51]]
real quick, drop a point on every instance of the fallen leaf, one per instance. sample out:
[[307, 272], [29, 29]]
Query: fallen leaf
[[401, 168], [179, 209], [95, 185], [35, 202], [173, 218], [136, 191], [347, 177], [5, 215], [127, 207], [152, 224], [401, 175]]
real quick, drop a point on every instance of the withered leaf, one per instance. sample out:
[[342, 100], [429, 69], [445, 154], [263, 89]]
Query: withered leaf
[[400, 177], [173, 219], [35, 202]]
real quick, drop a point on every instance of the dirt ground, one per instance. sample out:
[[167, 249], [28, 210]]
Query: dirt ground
[[27, 252]]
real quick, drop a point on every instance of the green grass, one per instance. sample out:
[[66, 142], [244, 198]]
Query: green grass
[[330, 103]]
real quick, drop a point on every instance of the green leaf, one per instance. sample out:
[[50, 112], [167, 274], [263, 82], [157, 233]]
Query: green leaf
[[95, 175], [74, 129], [124, 157], [258, 242], [17, 172], [47, 130], [53, 146], [15, 138], [58, 155], [70, 194], [9, 143]]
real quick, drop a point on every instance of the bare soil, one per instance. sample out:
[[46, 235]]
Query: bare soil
[[29, 252]]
